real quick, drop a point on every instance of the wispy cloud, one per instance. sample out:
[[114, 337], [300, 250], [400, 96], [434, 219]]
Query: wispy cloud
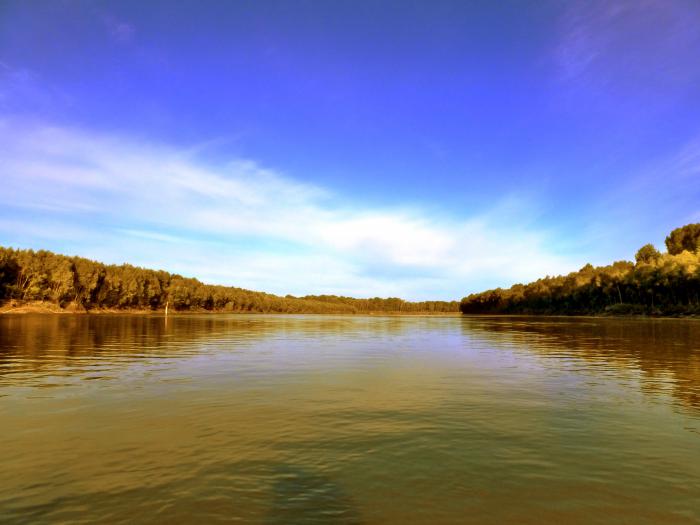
[[22, 88], [120, 31], [644, 205], [629, 43], [627, 73], [18, 83], [240, 223]]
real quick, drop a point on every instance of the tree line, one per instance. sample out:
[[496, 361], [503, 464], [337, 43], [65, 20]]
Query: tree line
[[656, 284], [83, 284]]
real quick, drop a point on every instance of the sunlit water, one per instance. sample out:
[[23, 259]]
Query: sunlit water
[[320, 419]]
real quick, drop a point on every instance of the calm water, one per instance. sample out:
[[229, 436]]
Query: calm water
[[318, 419]]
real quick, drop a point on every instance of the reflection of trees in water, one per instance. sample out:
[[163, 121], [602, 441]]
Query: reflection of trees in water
[[36, 342], [667, 352], [45, 341], [664, 351]]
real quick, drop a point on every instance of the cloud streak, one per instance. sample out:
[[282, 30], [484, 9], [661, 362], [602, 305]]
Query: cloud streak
[[601, 42], [242, 224]]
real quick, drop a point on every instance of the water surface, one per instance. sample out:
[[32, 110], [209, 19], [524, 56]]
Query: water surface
[[318, 419]]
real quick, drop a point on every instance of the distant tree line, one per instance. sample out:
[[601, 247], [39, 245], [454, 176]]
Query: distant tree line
[[657, 283], [78, 283]]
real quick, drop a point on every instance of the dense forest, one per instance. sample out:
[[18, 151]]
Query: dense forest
[[80, 284], [655, 284]]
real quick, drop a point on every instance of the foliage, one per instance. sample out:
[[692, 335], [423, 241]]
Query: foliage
[[647, 254], [685, 238], [667, 284], [28, 275]]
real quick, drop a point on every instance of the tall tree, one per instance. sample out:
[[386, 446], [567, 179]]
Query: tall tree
[[647, 254], [685, 238]]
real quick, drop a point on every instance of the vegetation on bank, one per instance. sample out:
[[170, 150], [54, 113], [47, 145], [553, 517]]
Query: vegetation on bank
[[656, 284], [76, 283]]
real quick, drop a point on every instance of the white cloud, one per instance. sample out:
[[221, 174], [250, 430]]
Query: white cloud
[[244, 225]]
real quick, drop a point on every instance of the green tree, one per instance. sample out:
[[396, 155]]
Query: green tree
[[684, 238], [647, 254], [44, 276]]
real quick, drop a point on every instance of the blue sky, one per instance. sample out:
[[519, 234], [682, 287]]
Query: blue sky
[[420, 149]]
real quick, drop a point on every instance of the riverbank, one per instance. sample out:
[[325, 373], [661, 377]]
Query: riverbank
[[584, 316], [42, 307]]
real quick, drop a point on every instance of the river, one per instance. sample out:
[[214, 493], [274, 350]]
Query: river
[[348, 419]]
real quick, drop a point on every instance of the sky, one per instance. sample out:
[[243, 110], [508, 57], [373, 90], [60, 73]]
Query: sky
[[420, 149]]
